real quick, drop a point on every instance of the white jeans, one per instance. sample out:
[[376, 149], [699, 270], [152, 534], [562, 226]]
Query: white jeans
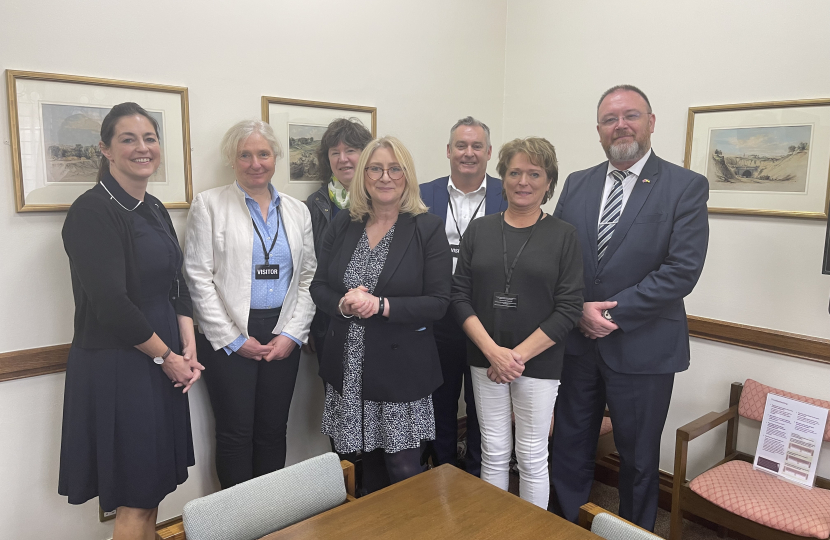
[[531, 402]]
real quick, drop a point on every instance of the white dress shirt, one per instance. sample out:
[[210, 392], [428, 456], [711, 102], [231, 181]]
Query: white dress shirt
[[462, 205], [628, 184]]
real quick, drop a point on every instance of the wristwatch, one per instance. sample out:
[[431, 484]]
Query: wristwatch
[[607, 315], [160, 359]]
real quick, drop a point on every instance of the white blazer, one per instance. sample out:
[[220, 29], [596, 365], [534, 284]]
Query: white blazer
[[217, 264]]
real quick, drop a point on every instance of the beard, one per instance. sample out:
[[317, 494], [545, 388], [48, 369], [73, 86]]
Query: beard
[[624, 152]]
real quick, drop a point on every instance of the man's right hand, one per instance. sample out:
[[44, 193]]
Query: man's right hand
[[592, 324]]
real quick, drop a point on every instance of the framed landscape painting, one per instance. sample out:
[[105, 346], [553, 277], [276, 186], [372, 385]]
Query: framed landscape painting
[[55, 124], [763, 158], [299, 126]]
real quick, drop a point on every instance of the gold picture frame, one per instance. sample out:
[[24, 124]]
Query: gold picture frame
[[296, 120], [774, 160], [52, 128]]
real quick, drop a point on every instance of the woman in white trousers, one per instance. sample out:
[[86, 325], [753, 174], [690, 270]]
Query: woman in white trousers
[[517, 292]]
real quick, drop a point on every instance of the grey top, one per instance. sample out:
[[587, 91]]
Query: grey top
[[547, 279]]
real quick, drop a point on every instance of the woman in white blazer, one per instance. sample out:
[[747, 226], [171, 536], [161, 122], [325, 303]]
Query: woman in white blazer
[[249, 260]]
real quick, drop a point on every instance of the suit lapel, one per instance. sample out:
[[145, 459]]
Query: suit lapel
[[440, 199], [493, 198], [354, 231], [404, 231], [635, 203], [592, 204]]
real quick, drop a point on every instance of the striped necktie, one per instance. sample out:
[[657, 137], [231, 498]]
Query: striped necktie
[[611, 213]]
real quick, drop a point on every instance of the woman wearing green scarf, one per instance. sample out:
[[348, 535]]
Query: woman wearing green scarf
[[337, 157]]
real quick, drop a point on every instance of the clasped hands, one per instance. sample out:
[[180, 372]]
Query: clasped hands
[[183, 370], [592, 324], [276, 349], [505, 364], [359, 302]]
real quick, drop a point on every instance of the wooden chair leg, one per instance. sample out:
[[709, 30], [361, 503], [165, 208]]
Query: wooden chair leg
[[676, 527]]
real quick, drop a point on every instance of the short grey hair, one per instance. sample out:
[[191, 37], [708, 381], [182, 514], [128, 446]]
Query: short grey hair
[[470, 121], [241, 131]]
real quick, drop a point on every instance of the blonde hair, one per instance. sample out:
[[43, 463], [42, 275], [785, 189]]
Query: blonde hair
[[539, 151], [361, 203]]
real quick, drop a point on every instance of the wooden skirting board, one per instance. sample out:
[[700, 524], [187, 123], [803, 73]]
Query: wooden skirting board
[[31, 362]]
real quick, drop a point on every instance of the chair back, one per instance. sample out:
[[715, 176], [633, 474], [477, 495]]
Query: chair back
[[611, 527], [754, 400], [260, 506]]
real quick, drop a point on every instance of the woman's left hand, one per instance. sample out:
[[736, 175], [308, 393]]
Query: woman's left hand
[[281, 347], [189, 351], [361, 303], [189, 355]]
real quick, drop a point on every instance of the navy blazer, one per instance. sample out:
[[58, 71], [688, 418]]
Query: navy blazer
[[652, 262], [400, 362], [436, 197]]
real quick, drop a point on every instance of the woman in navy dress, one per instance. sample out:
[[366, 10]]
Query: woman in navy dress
[[126, 423]]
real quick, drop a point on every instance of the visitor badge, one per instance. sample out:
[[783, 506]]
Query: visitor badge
[[267, 271]]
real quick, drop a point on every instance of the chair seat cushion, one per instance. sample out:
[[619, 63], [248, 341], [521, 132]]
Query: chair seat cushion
[[764, 499]]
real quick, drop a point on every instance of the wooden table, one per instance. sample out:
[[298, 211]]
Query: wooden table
[[443, 503]]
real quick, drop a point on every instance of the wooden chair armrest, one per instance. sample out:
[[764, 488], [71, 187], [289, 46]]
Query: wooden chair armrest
[[707, 422], [348, 478], [588, 511]]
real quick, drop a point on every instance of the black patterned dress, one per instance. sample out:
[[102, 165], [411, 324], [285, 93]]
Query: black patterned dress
[[352, 422]]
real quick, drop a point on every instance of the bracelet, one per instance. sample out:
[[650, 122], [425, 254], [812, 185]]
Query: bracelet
[[340, 309], [381, 305]]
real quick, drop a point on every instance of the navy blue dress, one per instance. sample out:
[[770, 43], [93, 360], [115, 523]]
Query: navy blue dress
[[126, 430]]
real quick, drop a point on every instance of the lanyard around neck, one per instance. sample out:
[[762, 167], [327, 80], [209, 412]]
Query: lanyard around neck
[[508, 273], [267, 253], [452, 211]]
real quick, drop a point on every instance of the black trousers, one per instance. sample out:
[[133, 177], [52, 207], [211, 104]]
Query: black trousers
[[250, 401], [381, 469], [452, 351], [638, 405]]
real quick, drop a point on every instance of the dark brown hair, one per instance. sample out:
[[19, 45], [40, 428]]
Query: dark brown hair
[[108, 128], [350, 131]]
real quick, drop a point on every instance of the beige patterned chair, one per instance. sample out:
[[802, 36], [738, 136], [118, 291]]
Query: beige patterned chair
[[736, 497]]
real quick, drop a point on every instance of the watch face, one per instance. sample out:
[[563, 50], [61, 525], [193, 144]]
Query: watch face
[[158, 360]]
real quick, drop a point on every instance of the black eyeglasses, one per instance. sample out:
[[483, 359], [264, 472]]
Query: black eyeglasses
[[374, 172]]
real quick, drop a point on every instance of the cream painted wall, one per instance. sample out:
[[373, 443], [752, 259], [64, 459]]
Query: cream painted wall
[[536, 68], [423, 64], [561, 56]]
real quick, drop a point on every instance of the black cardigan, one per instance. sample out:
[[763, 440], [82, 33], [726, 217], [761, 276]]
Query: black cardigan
[[401, 360], [98, 237], [548, 279]]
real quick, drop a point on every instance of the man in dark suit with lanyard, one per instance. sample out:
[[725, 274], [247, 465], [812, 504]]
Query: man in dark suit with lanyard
[[643, 229], [469, 192]]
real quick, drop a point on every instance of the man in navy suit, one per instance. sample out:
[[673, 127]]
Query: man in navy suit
[[643, 229], [469, 192]]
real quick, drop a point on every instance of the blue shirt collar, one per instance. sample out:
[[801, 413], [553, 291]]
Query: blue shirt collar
[[275, 196]]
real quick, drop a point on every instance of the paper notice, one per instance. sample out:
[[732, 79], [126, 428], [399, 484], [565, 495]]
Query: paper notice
[[791, 435]]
